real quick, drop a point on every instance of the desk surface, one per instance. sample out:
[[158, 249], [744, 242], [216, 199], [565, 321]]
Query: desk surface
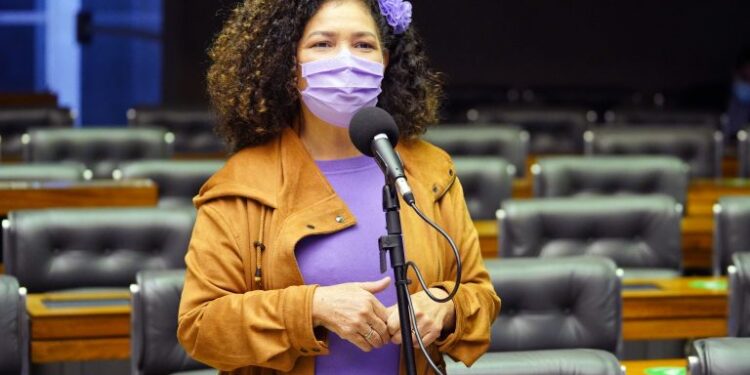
[[677, 367]]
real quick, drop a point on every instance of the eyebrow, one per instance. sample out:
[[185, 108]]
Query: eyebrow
[[331, 34]]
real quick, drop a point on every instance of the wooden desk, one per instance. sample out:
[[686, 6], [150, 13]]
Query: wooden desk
[[79, 333], [105, 193], [640, 367]]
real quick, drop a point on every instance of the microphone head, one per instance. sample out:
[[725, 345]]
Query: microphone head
[[369, 122]]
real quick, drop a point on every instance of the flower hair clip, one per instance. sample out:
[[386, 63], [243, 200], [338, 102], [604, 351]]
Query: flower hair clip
[[397, 13]]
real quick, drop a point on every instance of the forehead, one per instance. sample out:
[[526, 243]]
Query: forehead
[[342, 15]]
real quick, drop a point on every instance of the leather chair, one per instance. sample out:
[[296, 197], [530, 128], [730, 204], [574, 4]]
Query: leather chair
[[509, 143], [155, 300], [731, 231], [16, 122], [486, 181], [178, 180], [561, 316], [193, 129], [641, 234], [743, 153], [69, 171], [101, 149], [700, 147], [739, 295], [720, 356], [14, 328], [62, 249], [552, 131], [566, 177], [661, 116]]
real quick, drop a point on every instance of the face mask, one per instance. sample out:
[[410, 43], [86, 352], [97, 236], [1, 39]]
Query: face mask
[[338, 87], [742, 91]]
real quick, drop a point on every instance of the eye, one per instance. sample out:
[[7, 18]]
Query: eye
[[322, 44], [364, 45]]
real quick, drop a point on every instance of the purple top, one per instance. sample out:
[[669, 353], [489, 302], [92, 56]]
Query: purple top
[[351, 255]]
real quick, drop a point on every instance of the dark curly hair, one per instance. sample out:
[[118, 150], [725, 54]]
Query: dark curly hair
[[252, 79]]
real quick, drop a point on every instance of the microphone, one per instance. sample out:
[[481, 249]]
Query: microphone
[[374, 133]]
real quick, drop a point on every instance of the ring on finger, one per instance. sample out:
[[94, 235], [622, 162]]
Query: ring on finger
[[369, 334]]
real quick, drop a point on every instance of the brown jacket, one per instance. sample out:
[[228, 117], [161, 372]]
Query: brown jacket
[[245, 308]]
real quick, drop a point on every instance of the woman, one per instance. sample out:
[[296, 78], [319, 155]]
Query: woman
[[282, 271]]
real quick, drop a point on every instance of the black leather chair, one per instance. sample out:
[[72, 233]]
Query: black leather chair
[[565, 177], [552, 131], [739, 295], [69, 171], [743, 153], [16, 122], [62, 249], [178, 180], [661, 116], [155, 300], [486, 181], [193, 129], [101, 149], [720, 356], [561, 316], [641, 234], [14, 328], [509, 143], [700, 147], [731, 231]]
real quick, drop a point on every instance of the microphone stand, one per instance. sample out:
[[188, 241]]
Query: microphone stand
[[393, 243]]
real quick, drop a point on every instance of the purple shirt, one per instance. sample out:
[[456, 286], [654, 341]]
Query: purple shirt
[[351, 255]]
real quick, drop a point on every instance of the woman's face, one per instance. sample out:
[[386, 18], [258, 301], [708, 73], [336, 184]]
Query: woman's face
[[339, 25]]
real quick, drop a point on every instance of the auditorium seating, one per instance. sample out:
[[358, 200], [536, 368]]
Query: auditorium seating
[[509, 143], [93, 248], [641, 234], [610, 176], [561, 316], [641, 116], [739, 297], [700, 147], [743, 153], [16, 122], [14, 328], [178, 181], [731, 231], [101, 149], [155, 300], [720, 356], [68, 171], [193, 129], [486, 182]]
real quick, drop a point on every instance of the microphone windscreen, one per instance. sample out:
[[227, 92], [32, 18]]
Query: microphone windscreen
[[369, 122]]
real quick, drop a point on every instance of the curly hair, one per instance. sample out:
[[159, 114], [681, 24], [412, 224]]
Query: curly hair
[[252, 78]]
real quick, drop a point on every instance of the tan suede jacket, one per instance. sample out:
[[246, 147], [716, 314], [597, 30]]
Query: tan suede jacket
[[245, 308]]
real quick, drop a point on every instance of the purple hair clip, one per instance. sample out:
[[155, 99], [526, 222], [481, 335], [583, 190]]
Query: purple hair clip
[[397, 13]]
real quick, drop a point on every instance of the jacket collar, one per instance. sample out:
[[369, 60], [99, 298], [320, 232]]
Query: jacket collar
[[282, 172]]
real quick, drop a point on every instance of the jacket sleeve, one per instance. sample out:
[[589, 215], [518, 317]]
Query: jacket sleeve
[[222, 323], [476, 302]]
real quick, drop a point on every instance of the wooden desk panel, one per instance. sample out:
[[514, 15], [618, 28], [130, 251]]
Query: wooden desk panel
[[640, 367]]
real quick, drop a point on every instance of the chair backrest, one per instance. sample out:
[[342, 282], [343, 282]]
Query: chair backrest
[[155, 298], [178, 180], [69, 171], [731, 231], [14, 328], [193, 129], [487, 182], [16, 122], [509, 143], [739, 296], [556, 304], [101, 149], [661, 116], [79, 248], [635, 232], [743, 153], [611, 176], [720, 356], [699, 146], [552, 131]]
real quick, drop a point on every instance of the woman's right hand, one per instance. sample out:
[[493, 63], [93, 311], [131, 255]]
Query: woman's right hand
[[352, 312]]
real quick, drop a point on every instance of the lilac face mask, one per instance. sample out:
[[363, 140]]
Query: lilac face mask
[[338, 87]]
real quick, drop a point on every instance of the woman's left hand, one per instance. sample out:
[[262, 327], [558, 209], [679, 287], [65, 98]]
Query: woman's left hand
[[432, 317]]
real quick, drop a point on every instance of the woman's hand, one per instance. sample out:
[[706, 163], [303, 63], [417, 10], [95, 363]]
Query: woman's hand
[[351, 311], [432, 317]]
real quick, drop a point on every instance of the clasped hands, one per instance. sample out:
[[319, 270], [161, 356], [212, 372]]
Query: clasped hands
[[353, 312]]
